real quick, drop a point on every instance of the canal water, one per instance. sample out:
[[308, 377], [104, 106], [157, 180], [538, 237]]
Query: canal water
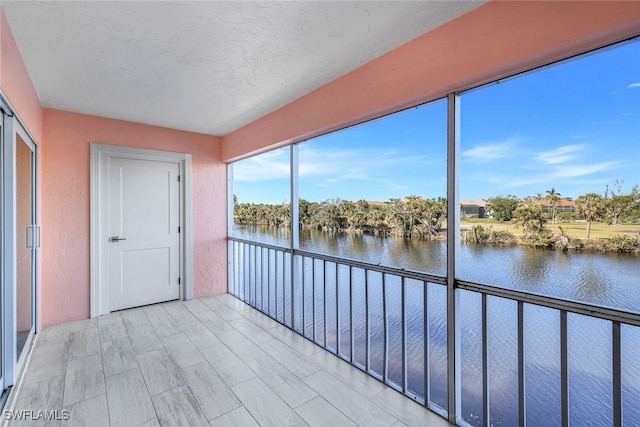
[[610, 280]]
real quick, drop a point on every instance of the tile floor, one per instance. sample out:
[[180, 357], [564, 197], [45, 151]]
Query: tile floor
[[213, 362]]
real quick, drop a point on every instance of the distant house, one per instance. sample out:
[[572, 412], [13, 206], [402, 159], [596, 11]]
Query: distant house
[[561, 206], [473, 209]]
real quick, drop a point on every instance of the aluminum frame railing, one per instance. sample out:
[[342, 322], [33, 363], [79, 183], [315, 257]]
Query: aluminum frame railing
[[292, 277]]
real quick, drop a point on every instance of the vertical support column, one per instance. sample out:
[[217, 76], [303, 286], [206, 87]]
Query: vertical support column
[[522, 415], [351, 322], [485, 364], [269, 282], [313, 299], [304, 297], [337, 309], [385, 330], [255, 275], [295, 228], [403, 311], [275, 284], [617, 374], [230, 248], [367, 332], [564, 368], [425, 319], [324, 303], [453, 244]]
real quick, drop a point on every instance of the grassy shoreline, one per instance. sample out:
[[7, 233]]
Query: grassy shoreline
[[574, 229], [621, 238]]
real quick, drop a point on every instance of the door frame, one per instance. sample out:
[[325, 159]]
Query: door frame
[[12, 366], [100, 155]]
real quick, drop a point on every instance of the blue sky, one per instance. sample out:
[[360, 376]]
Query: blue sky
[[574, 126]]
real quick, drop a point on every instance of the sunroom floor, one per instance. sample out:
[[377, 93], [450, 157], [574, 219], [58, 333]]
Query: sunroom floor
[[213, 361]]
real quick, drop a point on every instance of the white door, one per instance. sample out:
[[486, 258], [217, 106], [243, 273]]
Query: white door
[[144, 239]]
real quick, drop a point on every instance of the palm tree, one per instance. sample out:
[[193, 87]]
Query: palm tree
[[591, 206], [553, 197]]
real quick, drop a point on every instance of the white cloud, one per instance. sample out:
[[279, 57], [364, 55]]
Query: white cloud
[[492, 151], [632, 85], [560, 155], [267, 166], [574, 171]]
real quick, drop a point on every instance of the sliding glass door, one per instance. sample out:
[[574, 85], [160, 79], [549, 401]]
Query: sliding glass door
[[3, 306], [20, 239], [26, 237]]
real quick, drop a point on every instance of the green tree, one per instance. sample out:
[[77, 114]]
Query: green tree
[[591, 206], [553, 197], [503, 207], [619, 204], [531, 219]]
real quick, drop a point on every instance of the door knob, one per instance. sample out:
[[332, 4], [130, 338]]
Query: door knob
[[116, 238]]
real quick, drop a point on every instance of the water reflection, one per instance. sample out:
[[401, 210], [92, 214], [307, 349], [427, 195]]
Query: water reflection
[[531, 268], [597, 278]]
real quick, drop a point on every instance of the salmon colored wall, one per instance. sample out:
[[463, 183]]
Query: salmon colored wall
[[16, 83], [495, 40], [66, 206], [20, 92]]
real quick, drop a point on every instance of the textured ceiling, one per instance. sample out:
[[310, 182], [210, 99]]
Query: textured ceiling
[[208, 66]]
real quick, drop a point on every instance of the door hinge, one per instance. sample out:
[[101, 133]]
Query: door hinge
[[178, 280], [178, 229], [178, 178]]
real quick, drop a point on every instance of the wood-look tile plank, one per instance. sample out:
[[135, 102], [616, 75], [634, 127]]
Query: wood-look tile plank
[[318, 412], [221, 308], [211, 392], [47, 361], [301, 366], [233, 302], [227, 364], [111, 328], [164, 325], [129, 400], [288, 386], [83, 343], [159, 372], [406, 410], [56, 334], [214, 322], [45, 394], [199, 335], [296, 341], [179, 312], [237, 418], [260, 319], [348, 401], [118, 356], [355, 378], [144, 339], [134, 318], [178, 407], [91, 412], [181, 350], [265, 405], [252, 331], [155, 310], [80, 325], [151, 423], [240, 345], [195, 306], [84, 379]]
